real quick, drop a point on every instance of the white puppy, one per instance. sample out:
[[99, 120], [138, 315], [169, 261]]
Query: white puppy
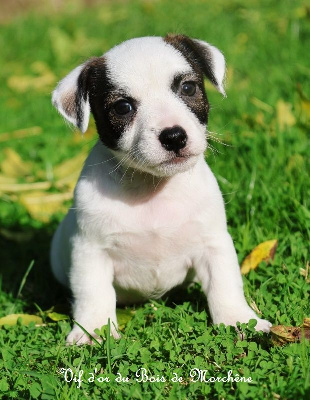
[[148, 213]]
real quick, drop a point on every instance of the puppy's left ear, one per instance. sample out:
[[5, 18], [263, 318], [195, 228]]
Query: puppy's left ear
[[71, 96], [206, 57]]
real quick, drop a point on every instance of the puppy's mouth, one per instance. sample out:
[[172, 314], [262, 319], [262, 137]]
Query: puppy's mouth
[[177, 159]]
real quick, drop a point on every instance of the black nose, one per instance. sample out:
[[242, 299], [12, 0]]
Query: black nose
[[173, 139]]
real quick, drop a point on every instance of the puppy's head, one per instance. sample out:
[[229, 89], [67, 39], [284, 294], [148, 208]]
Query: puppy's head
[[148, 100]]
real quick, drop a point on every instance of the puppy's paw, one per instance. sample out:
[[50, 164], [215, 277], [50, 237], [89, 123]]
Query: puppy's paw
[[79, 337], [263, 325], [244, 317]]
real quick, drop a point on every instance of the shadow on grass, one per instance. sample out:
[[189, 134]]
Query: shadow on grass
[[27, 244]]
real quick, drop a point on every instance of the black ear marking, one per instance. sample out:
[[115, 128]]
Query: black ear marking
[[84, 87], [202, 56], [96, 87], [193, 52]]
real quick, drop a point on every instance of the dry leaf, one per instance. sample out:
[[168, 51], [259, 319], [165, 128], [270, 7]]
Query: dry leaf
[[7, 179], [260, 104], [295, 163], [42, 206], [285, 116], [21, 133], [69, 167], [25, 319], [67, 173], [24, 187], [303, 106], [289, 334], [18, 237], [263, 252], [43, 81], [65, 46], [13, 166], [123, 317], [54, 316], [305, 272]]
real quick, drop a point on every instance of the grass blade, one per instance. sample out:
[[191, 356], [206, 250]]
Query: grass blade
[[23, 281]]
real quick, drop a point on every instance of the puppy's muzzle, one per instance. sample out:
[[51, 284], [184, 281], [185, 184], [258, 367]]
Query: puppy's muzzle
[[173, 139]]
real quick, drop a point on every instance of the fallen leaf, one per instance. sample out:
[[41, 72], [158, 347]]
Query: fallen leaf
[[44, 79], [263, 252], [123, 317], [295, 163], [285, 116], [289, 334], [7, 179], [24, 187], [42, 206], [25, 319], [65, 46], [54, 316], [69, 167], [260, 104], [21, 133], [305, 272], [13, 166], [67, 173], [303, 106], [17, 237]]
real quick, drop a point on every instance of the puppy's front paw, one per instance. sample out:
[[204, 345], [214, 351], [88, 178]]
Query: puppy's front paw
[[263, 325], [79, 337], [244, 317]]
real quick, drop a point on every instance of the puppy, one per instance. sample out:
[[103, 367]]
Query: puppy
[[148, 213]]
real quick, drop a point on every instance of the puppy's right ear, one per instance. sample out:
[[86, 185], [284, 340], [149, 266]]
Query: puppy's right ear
[[71, 97]]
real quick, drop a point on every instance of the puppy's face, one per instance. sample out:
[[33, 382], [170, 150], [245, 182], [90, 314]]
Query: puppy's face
[[148, 100]]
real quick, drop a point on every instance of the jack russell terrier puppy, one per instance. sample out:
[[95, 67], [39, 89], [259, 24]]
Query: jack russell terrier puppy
[[148, 213]]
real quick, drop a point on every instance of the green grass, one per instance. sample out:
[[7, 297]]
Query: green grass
[[263, 174]]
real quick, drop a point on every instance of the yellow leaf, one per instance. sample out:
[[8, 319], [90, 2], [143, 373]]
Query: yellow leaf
[[25, 319], [123, 317], [21, 133], [54, 316], [260, 104], [14, 236], [23, 187], [44, 79], [68, 181], [7, 179], [295, 163], [69, 167], [263, 252], [288, 334], [42, 206], [285, 116], [13, 166]]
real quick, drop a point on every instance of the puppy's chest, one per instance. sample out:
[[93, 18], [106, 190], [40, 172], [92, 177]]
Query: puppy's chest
[[153, 232], [153, 247]]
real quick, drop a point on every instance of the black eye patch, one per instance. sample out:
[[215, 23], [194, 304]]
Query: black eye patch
[[190, 89], [113, 109]]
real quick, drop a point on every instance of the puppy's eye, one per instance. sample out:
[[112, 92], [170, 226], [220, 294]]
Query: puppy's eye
[[122, 107], [188, 88]]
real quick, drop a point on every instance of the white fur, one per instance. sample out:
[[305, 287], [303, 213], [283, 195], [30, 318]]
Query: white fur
[[141, 225]]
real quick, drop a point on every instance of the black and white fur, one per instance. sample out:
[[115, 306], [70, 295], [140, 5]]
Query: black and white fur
[[148, 213]]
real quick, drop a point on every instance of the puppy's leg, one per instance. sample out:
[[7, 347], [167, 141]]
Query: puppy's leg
[[219, 274], [91, 278]]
